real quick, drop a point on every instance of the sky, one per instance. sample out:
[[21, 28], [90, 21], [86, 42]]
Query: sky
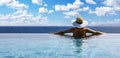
[[59, 12]]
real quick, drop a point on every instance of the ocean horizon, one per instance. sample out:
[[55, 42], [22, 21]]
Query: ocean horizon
[[52, 29]]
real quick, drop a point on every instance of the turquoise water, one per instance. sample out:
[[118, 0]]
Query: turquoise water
[[55, 46]]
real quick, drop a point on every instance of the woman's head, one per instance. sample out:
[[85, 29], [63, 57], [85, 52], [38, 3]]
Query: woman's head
[[79, 20]]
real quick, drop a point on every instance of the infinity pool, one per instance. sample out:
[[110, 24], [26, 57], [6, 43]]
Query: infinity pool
[[55, 46]]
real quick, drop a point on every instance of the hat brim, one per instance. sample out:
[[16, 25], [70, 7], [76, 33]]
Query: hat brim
[[84, 24]]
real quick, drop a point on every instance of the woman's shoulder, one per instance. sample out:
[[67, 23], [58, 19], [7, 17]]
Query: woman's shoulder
[[79, 28]]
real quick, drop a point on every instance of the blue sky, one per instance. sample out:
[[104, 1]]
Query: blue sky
[[59, 12]]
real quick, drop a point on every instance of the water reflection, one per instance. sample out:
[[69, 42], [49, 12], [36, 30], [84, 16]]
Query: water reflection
[[78, 43]]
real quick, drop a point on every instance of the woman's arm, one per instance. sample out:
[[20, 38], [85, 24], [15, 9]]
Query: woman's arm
[[64, 31], [93, 31]]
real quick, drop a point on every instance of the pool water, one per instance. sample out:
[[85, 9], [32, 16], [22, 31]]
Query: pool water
[[55, 46]]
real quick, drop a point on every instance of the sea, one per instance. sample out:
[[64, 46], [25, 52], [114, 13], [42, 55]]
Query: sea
[[52, 29], [36, 42]]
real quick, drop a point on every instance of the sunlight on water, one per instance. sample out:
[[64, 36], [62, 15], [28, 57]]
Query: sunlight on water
[[55, 46]]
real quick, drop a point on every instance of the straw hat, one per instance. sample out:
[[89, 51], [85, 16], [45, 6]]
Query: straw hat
[[79, 22]]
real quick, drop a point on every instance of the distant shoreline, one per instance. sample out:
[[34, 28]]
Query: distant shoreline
[[57, 26], [52, 29]]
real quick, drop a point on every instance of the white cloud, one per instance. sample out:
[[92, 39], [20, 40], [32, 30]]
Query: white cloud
[[114, 22], [16, 5], [111, 7], [50, 11], [38, 2], [45, 5], [13, 4], [69, 6], [2, 2], [22, 18], [117, 8], [94, 23], [90, 1], [61, 8], [115, 3], [44, 10], [70, 10], [86, 8], [101, 11], [75, 5], [71, 13]]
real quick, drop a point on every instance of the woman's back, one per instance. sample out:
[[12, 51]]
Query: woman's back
[[79, 32]]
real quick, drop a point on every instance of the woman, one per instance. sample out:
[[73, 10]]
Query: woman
[[79, 29]]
